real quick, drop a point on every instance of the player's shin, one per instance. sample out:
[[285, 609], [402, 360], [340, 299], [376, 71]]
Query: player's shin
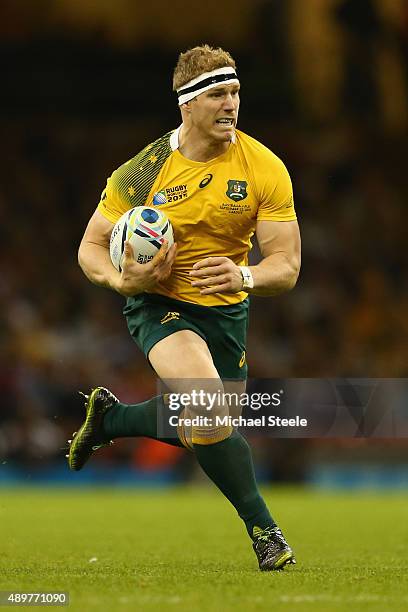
[[229, 465], [144, 419]]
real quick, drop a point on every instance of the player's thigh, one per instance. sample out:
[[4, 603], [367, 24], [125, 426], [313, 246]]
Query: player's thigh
[[184, 363], [183, 354]]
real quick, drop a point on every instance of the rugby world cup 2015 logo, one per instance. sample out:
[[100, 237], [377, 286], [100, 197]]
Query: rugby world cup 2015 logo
[[159, 198], [237, 190]]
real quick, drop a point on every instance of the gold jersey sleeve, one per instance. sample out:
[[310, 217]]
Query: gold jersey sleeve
[[130, 184], [213, 206], [271, 182], [277, 197]]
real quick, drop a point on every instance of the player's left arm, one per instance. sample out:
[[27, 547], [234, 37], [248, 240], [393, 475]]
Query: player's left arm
[[279, 242], [278, 271]]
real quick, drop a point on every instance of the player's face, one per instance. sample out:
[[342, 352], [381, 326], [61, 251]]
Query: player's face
[[215, 112]]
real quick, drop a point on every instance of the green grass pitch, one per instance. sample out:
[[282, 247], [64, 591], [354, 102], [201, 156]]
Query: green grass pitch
[[185, 548]]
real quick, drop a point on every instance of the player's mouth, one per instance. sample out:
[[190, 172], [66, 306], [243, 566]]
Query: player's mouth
[[227, 121]]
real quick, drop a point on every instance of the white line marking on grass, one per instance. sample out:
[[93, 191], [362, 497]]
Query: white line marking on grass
[[362, 598], [150, 599]]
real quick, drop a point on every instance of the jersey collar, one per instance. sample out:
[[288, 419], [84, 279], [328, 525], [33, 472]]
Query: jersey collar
[[174, 138]]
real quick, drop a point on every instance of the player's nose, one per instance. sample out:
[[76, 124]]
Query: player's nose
[[229, 102]]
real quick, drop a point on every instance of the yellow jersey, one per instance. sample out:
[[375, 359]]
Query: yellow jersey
[[213, 206]]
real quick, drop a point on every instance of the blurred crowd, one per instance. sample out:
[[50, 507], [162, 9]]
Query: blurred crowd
[[84, 109]]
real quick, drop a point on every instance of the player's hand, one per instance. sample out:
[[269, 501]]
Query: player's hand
[[216, 275], [136, 278]]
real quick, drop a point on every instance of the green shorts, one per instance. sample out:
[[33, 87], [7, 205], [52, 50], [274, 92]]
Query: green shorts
[[152, 317]]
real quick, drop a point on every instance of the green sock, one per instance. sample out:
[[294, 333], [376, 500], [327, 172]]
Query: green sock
[[145, 419], [229, 465]]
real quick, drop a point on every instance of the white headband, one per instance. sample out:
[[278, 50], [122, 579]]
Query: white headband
[[206, 81]]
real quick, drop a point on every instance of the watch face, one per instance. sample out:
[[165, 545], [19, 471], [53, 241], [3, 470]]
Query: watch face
[[247, 280]]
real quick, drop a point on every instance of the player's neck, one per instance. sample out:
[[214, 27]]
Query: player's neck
[[198, 149]]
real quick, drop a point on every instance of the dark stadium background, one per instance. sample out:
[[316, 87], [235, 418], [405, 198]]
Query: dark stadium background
[[85, 85]]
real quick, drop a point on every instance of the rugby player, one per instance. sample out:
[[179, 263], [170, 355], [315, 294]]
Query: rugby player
[[187, 309]]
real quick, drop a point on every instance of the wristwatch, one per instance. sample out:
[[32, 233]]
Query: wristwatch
[[247, 278]]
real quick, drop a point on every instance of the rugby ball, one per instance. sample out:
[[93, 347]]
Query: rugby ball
[[145, 229]]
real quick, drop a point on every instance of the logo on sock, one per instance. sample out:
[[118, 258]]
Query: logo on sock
[[169, 317]]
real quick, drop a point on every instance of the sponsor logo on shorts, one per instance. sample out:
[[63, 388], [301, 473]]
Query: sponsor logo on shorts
[[242, 361], [170, 316], [237, 190]]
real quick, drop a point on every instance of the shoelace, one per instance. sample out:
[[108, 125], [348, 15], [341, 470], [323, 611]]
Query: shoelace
[[265, 536], [98, 446]]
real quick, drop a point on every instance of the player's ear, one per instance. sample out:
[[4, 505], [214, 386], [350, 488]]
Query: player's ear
[[186, 107]]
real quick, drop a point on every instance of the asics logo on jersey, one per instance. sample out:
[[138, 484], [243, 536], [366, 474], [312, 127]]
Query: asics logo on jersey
[[170, 316], [207, 179]]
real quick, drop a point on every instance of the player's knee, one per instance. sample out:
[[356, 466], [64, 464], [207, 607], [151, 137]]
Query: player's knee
[[185, 433], [204, 434], [206, 422], [211, 435]]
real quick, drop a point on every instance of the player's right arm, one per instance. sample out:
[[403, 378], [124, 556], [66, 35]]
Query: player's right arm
[[94, 259]]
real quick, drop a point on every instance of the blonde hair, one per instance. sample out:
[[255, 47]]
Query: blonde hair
[[198, 60]]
